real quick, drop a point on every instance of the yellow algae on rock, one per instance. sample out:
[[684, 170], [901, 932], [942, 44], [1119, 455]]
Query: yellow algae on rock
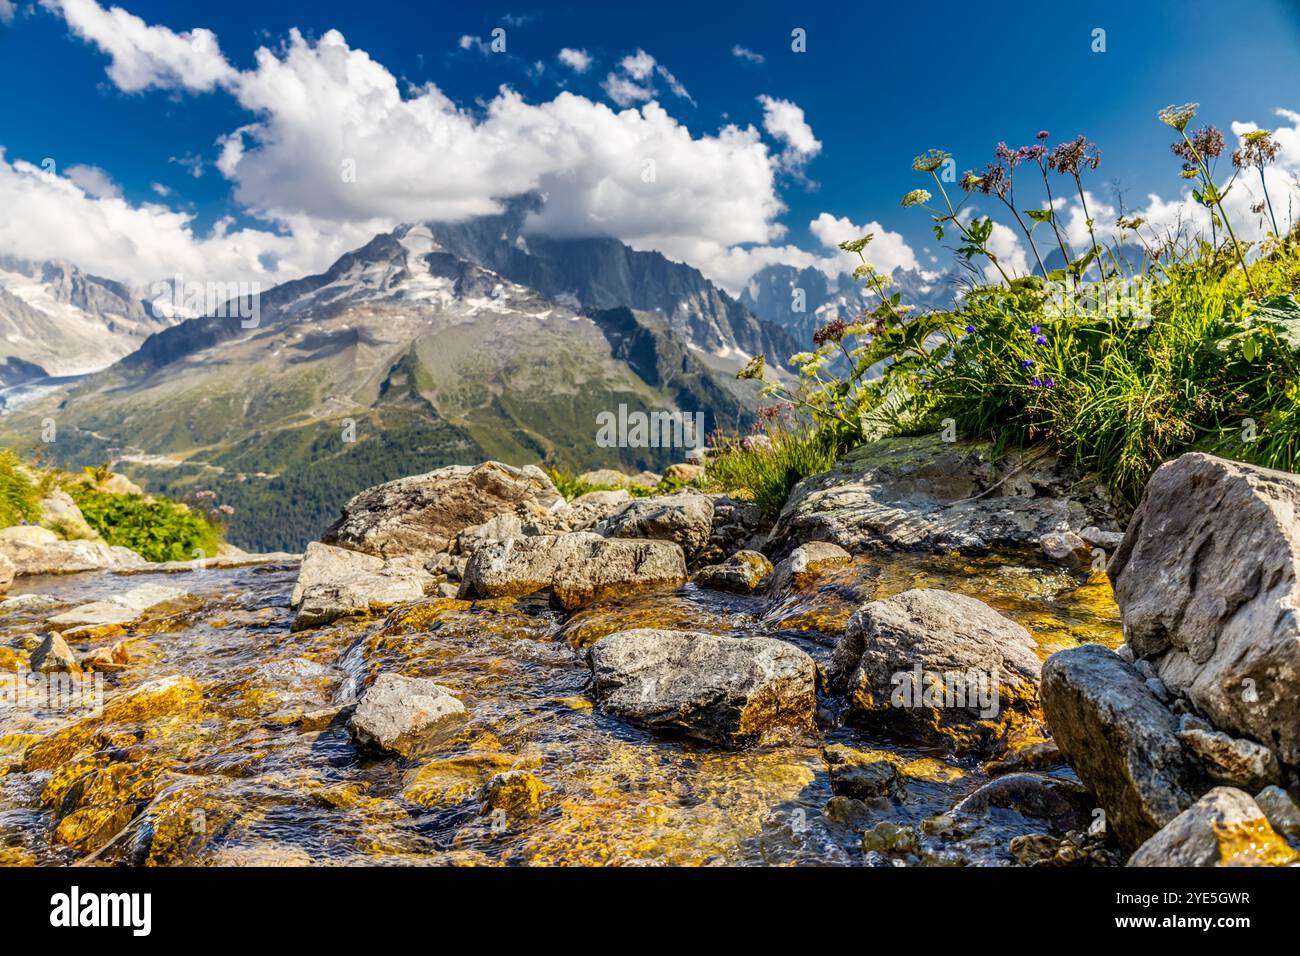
[[1252, 843], [167, 697], [103, 801], [452, 780], [515, 793]]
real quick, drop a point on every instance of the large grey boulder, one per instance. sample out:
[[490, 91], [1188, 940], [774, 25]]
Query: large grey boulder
[[35, 550], [1223, 828], [335, 582], [1208, 582], [725, 690], [940, 667], [1120, 739], [576, 568], [685, 519], [396, 714], [586, 511], [927, 494], [425, 513]]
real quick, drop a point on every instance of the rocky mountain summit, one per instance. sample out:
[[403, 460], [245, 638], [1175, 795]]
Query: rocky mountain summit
[[919, 663]]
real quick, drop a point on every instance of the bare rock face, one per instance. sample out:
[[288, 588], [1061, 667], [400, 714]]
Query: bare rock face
[[576, 568], [926, 494], [335, 582], [1120, 739], [684, 519], [1223, 828], [1208, 581], [585, 512], [1231, 760], [940, 667], [425, 513], [396, 713], [741, 573], [725, 690]]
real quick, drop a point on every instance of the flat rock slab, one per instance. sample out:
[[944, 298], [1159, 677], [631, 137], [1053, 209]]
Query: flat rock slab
[[939, 667], [120, 609], [425, 513], [724, 690], [1120, 739], [1208, 583], [396, 714], [927, 494], [35, 550]]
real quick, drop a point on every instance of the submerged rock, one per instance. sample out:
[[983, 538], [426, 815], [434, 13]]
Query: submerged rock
[[425, 513], [863, 775], [725, 690], [120, 609], [805, 564], [1230, 760], [940, 667], [1208, 581], [741, 573], [515, 793], [1282, 811], [1121, 741], [928, 494], [1223, 828], [1063, 803], [396, 713]]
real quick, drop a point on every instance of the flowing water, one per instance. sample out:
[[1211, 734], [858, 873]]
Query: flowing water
[[263, 771]]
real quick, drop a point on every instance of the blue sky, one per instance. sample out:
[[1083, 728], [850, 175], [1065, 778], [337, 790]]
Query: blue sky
[[877, 84]]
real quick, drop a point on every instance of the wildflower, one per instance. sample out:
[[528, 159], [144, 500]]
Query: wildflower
[[857, 245], [993, 181], [1207, 142], [1258, 150], [205, 494], [226, 509], [754, 369], [1132, 222], [917, 197], [832, 331], [970, 182], [1040, 340], [1035, 152], [929, 161], [970, 329], [1179, 116], [1075, 155], [1035, 329], [1048, 383], [1027, 363], [1257, 208], [1042, 134], [1036, 383]]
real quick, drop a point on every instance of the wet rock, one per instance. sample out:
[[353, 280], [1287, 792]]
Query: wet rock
[[515, 793], [335, 582], [1121, 741], [1039, 755], [1223, 828], [35, 550], [939, 667], [424, 513], [1230, 760], [1106, 540], [1033, 849], [927, 494], [890, 837], [26, 602], [120, 609], [54, 655], [114, 658], [7, 573], [1062, 803], [1282, 811], [732, 691], [452, 780], [521, 566], [684, 519], [805, 564], [847, 812], [395, 714], [863, 775], [167, 697], [741, 573], [1066, 547], [1208, 582]]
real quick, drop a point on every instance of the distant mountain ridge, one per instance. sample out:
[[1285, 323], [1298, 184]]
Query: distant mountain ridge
[[407, 354]]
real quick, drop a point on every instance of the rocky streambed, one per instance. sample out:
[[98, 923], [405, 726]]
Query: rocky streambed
[[469, 670]]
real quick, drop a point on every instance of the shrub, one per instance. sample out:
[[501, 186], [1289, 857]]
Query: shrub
[[155, 528], [765, 471], [19, 495]]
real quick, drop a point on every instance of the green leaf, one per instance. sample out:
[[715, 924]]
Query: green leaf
[[1282, 314]]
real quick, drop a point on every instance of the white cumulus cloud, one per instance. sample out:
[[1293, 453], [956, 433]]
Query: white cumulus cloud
[[579, 61]]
